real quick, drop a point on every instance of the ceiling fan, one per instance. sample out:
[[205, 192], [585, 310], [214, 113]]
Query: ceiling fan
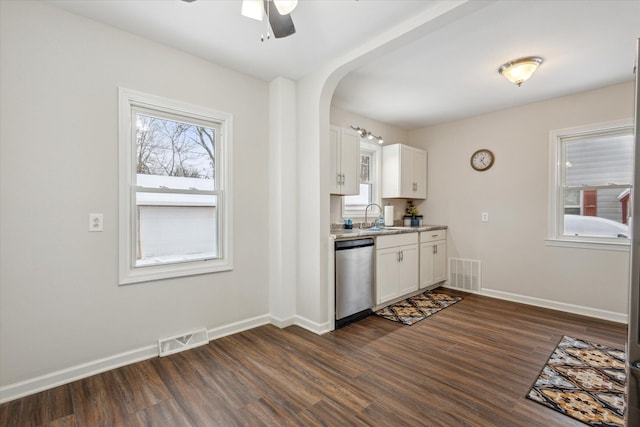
[[277, 12]]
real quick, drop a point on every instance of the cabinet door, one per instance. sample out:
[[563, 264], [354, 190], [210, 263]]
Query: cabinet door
[[427, 259], [386, 274], [350, 161], [440, 262], [406, 172], [335, 178], [420, 174], [408, 278], [391, 171]]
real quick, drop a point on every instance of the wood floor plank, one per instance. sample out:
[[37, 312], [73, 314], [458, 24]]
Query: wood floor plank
[[201, 405], [140, 386], [38, 409], [165, 413], [269, 412], [96, 401], [471, 364], [68, 421]]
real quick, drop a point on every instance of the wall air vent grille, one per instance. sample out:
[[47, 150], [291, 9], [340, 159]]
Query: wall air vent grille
[[465, 274], [171, 345]]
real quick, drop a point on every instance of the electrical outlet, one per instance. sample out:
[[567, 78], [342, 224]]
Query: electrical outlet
[[96, 222], [485, 217]]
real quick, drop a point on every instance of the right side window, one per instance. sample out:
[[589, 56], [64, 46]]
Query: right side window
[[593, 178]]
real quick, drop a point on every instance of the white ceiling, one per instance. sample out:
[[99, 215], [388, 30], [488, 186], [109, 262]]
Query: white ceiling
[[448, 74]]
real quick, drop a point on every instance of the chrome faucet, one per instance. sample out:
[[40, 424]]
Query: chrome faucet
[[367, 208]]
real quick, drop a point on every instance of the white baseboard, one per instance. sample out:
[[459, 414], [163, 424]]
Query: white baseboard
[[65, 376], [303, 322], [234, 328], [316, 328], [554, 305], [283, 323]]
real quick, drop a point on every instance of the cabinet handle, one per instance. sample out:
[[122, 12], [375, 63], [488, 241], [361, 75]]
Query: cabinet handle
[[338, 179], [401, 255], [434, 250]]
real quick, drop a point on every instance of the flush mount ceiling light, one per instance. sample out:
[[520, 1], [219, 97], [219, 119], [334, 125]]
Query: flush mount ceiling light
[[519, 70], [365, 134]]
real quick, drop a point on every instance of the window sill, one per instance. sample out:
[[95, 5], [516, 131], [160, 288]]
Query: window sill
[[170, 271], [589, 244]]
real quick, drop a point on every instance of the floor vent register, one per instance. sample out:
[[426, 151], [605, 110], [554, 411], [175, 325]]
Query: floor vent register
[[175, 344], [465, 274]]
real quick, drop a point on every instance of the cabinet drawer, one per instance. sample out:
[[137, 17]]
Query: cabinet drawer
[[396, 240], [431, 236]]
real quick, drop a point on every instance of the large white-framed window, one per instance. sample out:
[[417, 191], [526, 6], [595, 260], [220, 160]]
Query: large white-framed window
[[370, 167], [591, 171], [174, 188]]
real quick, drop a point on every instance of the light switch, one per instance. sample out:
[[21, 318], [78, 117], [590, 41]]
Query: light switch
[[96, 222], [485, 217]]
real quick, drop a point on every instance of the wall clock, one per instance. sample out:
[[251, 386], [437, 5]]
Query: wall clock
[[482, 159]]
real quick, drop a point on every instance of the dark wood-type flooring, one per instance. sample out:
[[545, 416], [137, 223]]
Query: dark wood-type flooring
[[469, 365]]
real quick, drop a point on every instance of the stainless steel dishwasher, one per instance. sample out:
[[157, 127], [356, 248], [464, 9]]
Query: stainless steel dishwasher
[[354, 280]]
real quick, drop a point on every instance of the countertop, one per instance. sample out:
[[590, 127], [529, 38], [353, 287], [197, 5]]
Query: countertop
[[342, 234]]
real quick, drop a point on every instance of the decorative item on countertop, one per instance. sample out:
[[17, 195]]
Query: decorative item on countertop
[[348, 224], [413, 211]]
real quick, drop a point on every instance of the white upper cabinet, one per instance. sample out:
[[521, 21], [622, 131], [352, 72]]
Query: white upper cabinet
[[404, 172], [345, 162]]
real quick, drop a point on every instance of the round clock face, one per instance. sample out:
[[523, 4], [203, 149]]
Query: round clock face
[[482, 159]]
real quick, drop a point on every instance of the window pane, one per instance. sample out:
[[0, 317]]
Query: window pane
[[175, 228], [598, 213], [572, 200], [365, 168], [173, 154], [599, 160], [360, 201]]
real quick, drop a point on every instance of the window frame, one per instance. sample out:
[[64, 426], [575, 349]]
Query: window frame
[[555, 236], [131, 101], [375, 170]]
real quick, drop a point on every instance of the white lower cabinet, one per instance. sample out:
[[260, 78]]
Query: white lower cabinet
[[396, 266], [433, 257]]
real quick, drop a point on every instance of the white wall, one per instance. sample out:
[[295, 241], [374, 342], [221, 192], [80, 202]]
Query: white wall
[[514, 193], [60, 304]]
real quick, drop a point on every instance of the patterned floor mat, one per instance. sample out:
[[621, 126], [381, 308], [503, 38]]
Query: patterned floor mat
[[585, 381], [414, 309]]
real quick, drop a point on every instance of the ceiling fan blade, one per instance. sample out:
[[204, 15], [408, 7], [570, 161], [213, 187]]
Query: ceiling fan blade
[[281, 25]]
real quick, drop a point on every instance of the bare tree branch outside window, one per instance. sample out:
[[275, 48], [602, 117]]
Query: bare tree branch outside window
[[170, 148]]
